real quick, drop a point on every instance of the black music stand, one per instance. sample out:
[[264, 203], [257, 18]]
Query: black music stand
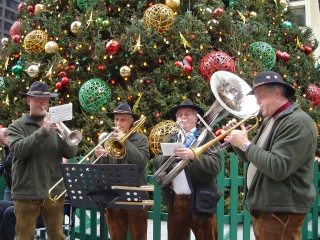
[[92, 186]]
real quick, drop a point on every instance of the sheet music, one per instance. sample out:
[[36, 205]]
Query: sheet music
[[168, 148], [60, 113]]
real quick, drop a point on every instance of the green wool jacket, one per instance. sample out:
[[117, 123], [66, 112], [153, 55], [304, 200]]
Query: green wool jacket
[[37, 159], [284, 179], [137, 152], [202, 172]]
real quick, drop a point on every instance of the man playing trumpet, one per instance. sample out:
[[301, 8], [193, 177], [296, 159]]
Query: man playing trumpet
[[178, 196], [38, 153], [137, 152]]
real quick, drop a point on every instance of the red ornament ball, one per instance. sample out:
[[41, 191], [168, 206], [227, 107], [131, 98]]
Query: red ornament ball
[[178, 63], [216, 61], [113, 47], [278, 54], [31, 9], [285, 56], [187, 68], [188, 59], [307, 50], [59, 86], [313, 94], [65, 81]]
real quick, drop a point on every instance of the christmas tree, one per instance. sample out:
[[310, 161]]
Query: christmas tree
[[150, 54]]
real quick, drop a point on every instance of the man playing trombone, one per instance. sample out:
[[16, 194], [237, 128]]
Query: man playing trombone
[[38, 152], [178, 195], [136, 152]]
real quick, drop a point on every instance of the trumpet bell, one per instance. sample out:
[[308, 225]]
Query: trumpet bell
[[74, 138]]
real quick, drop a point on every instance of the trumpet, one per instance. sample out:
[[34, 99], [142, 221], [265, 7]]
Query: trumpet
[[114, 147], [73, 138]]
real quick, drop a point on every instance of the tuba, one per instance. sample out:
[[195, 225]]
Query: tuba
[[231, 93]]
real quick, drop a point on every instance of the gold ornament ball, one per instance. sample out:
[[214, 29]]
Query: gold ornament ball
[[33, 71], [75, 26], [159, 17], [253, 14], [39, 8], [173, 4], [125, 71], [35, 41], [159, 132], [51, 47]]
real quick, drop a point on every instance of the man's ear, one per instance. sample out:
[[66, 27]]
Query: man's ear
[[28, 100]]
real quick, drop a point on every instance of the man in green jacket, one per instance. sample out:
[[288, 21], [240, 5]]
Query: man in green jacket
[[137, 152], [280, 188], [38, 152]]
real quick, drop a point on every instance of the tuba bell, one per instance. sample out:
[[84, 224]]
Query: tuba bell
[[231, 93]]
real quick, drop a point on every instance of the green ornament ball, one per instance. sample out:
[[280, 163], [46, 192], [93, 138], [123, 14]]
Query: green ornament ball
[[94, 95], [264, 53], [287, 24]]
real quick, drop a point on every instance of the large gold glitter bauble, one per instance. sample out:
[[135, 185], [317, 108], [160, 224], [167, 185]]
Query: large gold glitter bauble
[[35, 41], [159, 132], [159, 17], [173, 4]]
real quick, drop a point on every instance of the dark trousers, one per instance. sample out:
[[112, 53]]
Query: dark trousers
[[8, 221], [118, 221], [181, 220], [277, 225]]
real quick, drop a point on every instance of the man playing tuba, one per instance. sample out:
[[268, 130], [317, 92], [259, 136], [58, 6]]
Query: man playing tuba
[[183, 213]]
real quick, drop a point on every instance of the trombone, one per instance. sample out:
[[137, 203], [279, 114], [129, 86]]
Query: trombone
[[113, 146]]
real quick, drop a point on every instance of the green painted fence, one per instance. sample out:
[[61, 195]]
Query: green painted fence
[[87, 220]]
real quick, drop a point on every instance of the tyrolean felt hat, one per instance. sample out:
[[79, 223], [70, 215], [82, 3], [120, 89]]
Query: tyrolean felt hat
[[40, 90], [184, 104], [123, 108], [271, 78]]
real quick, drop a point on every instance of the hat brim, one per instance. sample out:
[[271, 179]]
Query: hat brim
[[51, 95], [290, 90], [111, 115], [173, 111]]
